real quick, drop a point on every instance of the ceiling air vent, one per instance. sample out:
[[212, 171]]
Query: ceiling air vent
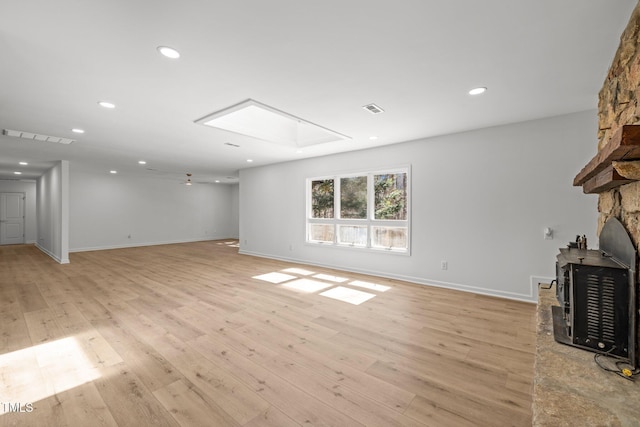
[[373, 108], [36, 136]]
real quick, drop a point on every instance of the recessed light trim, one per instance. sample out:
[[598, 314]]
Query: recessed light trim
[[76, 130], [107, 104], [477, 91], [168, 52]]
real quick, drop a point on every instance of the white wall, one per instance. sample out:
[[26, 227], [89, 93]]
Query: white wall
[[235, 210], [106, 209], [29, 188], [52, 206], [480, 200]]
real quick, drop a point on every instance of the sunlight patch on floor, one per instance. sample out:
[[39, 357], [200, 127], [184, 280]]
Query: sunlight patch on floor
[[307, 285], [37, 372], [275, 277], [351, 296], [300, 271], [369, 285], [331, 278]]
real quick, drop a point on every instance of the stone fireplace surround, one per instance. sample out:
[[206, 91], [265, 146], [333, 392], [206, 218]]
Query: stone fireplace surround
[[568, 388], [619, 105]]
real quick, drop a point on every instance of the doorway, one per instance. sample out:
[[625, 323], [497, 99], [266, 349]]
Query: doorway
[[12, 218]]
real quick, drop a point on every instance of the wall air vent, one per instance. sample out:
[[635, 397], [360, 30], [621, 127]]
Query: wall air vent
[[373, 108], [36, 136]]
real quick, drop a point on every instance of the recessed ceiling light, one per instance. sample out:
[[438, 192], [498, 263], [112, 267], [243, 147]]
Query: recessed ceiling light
[[477, 91], [113, 172], [299, 151], [142, 162], [106, 104], [76, 130], [373, 137], [217, 180], [23, 163], [169, 52], [249, 160], [17, 173]]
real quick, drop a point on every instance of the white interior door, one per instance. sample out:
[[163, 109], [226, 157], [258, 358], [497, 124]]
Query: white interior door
[[11, 218]]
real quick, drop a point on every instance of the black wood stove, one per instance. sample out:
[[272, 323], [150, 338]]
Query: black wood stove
[[596, 290]]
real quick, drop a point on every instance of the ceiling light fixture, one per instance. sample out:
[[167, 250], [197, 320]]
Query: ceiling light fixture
[[258, 120], [188, 182], [477, 91], [373, 138], [23, 163], [142, 162], [169, 52], [113, 172], [76, 130], [17, 173], [107, 104], [217, 180], [249, 160]]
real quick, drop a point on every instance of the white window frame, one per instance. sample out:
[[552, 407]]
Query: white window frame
[[369, 222]]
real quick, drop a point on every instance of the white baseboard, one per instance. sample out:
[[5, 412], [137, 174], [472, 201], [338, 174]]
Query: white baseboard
[[136, 245], [531, 297], [52, 255]]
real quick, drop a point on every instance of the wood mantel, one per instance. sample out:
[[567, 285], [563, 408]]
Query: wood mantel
[[599, 174]]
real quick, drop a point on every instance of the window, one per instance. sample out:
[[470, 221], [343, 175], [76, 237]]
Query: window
[[366, 210]]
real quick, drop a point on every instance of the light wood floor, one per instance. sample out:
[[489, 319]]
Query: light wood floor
[[198, 335]]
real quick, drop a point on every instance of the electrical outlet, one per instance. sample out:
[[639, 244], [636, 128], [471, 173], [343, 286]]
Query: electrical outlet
[[444, 265]]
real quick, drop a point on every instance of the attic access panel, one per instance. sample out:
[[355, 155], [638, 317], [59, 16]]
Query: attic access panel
[[257, 120]]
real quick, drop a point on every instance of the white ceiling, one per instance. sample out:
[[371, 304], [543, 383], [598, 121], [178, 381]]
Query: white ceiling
[[317, 60]]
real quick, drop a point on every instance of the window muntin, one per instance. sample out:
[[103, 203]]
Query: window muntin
[[366, 210]]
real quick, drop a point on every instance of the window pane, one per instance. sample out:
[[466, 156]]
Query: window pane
[[391, 196], [389, 237], [321, 232], [353, 197], [322, 198], [353, 235]]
